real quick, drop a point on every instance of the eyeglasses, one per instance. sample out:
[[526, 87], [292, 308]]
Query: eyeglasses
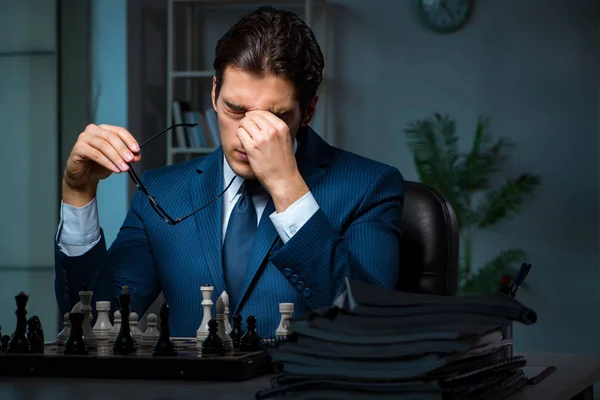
[[157, 208]]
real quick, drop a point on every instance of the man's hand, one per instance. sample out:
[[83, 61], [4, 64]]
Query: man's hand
[[98, 152], [269, 146]]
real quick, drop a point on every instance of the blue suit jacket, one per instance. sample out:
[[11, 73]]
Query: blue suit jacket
[[353, 234]]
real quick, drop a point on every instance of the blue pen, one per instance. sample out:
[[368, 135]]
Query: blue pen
[[523, 271]]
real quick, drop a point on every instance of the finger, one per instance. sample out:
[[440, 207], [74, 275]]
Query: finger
[[245, 138], [104, 147], [125, 136], [97, 156], [250, 128], [270, 117], [116, 141]]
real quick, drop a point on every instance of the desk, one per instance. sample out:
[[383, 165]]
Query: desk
[[575, 376]]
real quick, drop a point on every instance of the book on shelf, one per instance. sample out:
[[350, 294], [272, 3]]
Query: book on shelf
[[205, 134]]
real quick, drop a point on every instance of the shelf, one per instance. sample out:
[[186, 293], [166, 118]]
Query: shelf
[[27, 53], [192, 74], [192, 150]]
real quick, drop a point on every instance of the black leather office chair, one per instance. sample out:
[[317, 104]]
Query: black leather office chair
[[429, 249]]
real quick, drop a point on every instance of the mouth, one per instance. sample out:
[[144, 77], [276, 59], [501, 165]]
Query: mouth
[[242, 155]]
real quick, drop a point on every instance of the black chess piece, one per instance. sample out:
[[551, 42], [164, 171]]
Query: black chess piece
[[35, 334], [164, 346], [19, 343], [213, 344], [124, 343], [75, 343], [251, 341], [237, 331]]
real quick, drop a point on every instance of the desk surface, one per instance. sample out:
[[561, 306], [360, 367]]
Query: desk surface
[[575, 373]]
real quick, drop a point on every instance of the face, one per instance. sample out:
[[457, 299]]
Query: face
[[242, 92]]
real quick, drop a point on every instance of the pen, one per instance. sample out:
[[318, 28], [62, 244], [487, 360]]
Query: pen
[[523, 271]]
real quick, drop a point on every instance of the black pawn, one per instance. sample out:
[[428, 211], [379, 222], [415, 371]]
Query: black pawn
[[251, 341], [124, 343], [35, 334], [164, 346], [213, 344], [75, 343], [19, 342], [237, 331]]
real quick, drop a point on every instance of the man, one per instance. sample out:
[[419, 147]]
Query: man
[[298, 217]]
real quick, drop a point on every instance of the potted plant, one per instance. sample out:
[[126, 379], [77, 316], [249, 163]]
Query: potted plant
[[459, 177]]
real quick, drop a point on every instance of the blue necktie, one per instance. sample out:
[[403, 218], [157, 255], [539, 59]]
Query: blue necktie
[[239, 240]]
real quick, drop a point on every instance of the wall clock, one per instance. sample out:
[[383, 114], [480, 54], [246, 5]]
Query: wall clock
[[444, 16]]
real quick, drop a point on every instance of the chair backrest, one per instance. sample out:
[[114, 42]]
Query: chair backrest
[[429, 249]]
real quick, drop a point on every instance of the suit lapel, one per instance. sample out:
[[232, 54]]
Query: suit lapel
[[311, 156], [204, 188]]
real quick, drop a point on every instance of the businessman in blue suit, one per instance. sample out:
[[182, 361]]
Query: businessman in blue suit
[[275, 215]]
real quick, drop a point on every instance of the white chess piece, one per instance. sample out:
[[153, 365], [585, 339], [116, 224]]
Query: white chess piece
[[66, 331], [225, 297], [207, 304], [151, 335], [133, 327], [286, 310], [114, 332], [220, 310], [86, 308], [103, 326]]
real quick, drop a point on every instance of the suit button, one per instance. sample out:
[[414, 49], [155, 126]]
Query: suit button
[[287, 272], [306, 292], [300, 286], [294, 278]]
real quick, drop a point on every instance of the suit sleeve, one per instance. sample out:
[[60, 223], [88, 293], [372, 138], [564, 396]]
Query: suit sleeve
[[128, 262], [317, 258]]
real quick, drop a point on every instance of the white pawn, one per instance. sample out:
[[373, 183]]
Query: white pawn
[[133, 327], [207, 304], [220, 309], [151, 335], [103, 326], [114, 332], [66, 331], [86, 308], [286, 310], [225, 297]]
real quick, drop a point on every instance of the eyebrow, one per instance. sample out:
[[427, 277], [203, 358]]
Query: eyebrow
[[236, 107]]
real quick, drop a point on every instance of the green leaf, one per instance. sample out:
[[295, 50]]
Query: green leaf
[[487, 278], [507, 200]]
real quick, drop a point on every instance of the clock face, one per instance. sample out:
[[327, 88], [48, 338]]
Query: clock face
[[445, 15]]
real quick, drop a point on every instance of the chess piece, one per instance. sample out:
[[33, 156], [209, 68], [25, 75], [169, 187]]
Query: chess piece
[[213, 344], [86, 298], [286, 310], [35, 334], [66, 331], [207, 304], [18, 342], [114, 331], [103, 326], [251, 341], [225, 297], [75, 343], [237, 332], [124, 343], [151, 335], [135, 330], [164, 346], [220, 311]]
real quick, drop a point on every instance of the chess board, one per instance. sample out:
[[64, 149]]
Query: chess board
[[188, 364]]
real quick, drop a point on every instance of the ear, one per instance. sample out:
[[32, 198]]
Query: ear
[[213, 93], [310, 111]]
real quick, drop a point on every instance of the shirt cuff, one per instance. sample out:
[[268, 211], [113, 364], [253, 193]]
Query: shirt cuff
[[291, 220], [79, 228]]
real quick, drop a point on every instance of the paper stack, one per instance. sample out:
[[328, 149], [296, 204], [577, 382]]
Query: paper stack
[[380, 343]]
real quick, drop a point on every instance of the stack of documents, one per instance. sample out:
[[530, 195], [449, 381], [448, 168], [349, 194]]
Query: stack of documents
[[380, 343]]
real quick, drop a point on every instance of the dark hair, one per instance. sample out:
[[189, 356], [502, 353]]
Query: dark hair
[[277, 42]]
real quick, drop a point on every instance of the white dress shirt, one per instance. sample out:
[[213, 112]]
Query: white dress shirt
[[79, 227]]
